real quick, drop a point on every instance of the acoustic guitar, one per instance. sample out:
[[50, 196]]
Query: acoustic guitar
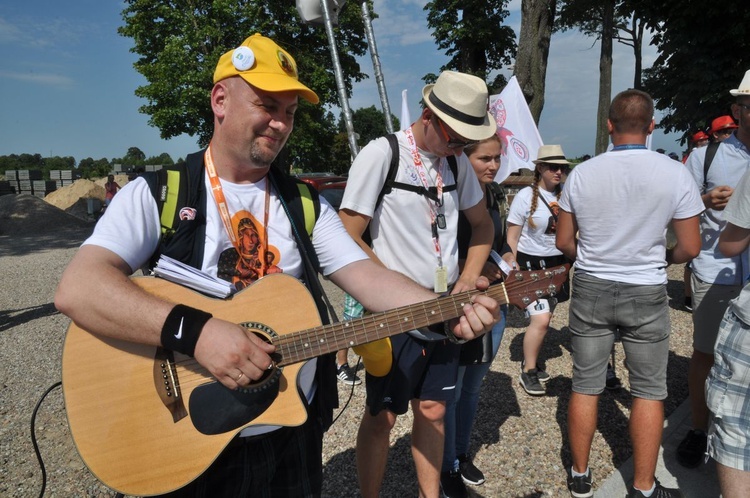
[[148, 421]]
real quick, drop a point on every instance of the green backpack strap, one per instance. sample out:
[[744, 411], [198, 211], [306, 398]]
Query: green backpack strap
[[175, 188], [308, 207]]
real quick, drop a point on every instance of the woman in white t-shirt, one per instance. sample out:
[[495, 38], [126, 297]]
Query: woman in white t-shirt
[[532, 223]]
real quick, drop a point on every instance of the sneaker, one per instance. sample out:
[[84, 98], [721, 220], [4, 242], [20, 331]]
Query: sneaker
[[580, 487], [692, 449], [347, 376], [613, 382], [659, 492], [452, 486], [469, 472], [530, 382], [541, 374], [689, 303]]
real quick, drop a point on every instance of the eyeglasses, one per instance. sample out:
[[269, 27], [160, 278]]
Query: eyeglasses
[[745, 107], [557, 167], [453, 143], [726, 131]]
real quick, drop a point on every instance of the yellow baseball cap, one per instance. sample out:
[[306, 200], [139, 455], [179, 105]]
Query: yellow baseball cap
[[265, 65]]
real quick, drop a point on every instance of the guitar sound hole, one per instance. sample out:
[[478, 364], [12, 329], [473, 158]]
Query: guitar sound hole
[[270, 378]]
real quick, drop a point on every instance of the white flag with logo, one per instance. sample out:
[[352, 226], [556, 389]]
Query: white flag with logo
[[516, 129], [405, 119]]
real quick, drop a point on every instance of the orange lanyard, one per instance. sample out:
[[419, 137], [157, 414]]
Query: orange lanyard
[[226, 218]]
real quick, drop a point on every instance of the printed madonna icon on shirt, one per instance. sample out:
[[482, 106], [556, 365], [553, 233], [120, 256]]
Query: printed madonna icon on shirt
[[252, 258]]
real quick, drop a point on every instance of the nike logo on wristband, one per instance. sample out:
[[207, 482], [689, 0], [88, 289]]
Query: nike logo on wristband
[[178, 335]]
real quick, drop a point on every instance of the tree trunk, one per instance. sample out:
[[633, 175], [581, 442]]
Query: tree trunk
[[537, 17], [638, 52], [605, 76]]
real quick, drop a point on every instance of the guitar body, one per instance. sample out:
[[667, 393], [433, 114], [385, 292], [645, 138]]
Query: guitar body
[[124, 431]]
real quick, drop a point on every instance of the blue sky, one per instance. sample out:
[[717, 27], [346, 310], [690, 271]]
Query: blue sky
[[67, 81]]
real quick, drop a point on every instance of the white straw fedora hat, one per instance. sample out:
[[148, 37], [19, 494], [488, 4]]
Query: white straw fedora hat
[[460, 100], [551, 154], [744, 88]]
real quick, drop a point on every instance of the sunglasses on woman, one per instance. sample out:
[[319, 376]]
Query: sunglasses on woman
[[557, 167]]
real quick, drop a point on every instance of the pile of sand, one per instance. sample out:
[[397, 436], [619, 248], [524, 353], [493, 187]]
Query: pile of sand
[[67, 197], [25, 215]]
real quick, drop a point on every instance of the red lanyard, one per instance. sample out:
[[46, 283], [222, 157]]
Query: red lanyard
[[226, 218], [422, 172]]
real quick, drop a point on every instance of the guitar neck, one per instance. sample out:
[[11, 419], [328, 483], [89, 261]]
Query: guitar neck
[[306, 344]]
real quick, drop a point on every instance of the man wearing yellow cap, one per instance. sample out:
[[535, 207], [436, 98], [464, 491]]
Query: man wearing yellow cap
[[254, 100]]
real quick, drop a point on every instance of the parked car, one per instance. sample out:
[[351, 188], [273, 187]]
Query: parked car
[[329, 185]]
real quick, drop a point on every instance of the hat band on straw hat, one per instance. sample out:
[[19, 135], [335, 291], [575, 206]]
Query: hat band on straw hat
[[551, 158], [455, 113]]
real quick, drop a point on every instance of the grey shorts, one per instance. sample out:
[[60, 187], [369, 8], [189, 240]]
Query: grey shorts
[[727, 391], [710, 301], [601, 309]]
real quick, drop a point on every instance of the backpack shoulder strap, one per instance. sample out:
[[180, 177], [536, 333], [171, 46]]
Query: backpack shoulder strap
[[453, 165], [710, 153], [390, 180], [391, 183], [175, 188]]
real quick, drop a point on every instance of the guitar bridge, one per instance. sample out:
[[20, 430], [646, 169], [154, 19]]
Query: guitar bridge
[[167, 384]]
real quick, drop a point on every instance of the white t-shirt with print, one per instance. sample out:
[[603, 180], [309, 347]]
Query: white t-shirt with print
[[131, 229], [540, 240]]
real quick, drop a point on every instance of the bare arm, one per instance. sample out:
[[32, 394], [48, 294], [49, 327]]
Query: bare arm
[[717, 197], [380, 289], [687, 233], [565, 240], [131, 314], [512, 236], [733, 240], [482, 235], [356, 224]]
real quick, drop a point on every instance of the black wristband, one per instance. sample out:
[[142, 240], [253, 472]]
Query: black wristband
[[182, 328]]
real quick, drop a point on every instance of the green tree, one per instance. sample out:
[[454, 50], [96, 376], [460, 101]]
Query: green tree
[[178, 47], [472, 34], [369, 124], [703, 53], [162, 159], [90, 168]]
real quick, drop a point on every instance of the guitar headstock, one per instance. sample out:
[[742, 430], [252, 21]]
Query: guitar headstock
[[525, 287]]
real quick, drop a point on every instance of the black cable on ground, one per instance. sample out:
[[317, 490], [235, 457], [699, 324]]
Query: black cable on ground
[[33, 436], [351, 394]]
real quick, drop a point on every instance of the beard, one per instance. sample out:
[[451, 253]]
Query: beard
[[262, 154]]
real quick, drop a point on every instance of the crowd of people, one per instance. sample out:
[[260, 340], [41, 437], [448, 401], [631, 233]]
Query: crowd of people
[[422, 217]]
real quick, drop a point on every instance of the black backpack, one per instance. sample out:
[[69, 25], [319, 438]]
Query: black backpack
[[391, 183]]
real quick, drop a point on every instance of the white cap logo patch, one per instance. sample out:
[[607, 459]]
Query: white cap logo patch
[[243, 58]]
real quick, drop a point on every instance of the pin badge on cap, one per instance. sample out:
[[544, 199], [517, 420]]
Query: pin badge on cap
[[243, 58]]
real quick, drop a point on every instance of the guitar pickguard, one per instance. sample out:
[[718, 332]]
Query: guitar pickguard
[[215, 409]]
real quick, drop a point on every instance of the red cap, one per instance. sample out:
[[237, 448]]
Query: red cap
[[721, 123], [701, 135]]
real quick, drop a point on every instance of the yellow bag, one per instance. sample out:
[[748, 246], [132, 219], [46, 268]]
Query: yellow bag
[[377, 356]]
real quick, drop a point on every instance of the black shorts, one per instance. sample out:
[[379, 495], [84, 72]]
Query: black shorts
[[424, 370]]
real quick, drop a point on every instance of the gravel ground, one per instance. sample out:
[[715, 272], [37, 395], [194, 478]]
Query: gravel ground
[[520, 441]]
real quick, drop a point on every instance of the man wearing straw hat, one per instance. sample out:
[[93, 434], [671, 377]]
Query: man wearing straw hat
[[413, 231]]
